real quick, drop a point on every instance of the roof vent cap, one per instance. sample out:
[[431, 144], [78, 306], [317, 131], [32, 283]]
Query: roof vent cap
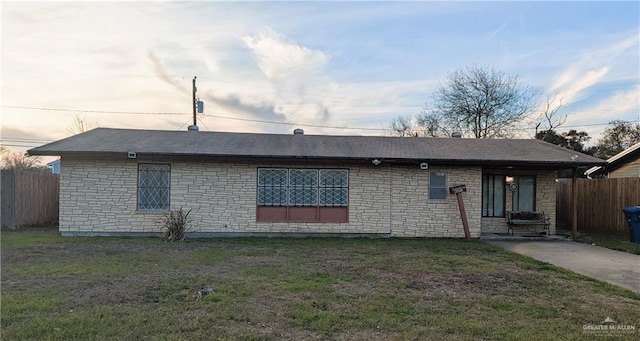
[[456, 134], [298, 131], [193, 128]]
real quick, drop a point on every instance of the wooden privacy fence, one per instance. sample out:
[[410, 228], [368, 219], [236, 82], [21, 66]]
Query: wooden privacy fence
[[29, 197], [600, 203]]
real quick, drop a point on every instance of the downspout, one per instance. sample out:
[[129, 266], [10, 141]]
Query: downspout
[[574, 203], [391, 203]]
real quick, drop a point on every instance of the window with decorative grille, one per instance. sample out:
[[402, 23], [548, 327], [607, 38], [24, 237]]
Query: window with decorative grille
[[302, 195], [153, 187]]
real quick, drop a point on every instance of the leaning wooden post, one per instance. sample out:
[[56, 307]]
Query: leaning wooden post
[[458, 190], [574, 203]]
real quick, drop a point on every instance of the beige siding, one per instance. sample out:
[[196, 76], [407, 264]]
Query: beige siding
[[100, 197], [414, 215], [629, 170]]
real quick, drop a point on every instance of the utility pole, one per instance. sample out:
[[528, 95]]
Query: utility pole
[[193, 102], [198, 107]]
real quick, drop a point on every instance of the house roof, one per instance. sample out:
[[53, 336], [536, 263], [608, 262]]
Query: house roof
[[616, 161], [150, 143]]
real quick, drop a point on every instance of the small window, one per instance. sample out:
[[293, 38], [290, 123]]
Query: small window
[[153, 187], [437, 186]]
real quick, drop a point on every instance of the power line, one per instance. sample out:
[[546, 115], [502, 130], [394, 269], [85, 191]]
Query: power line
[[210, 79], [23, 143], [95, 111], [295, 124], [260, 87], [17, 145], [285, 91], [581, 125], [247, 119], [23, 139], [183, 113]]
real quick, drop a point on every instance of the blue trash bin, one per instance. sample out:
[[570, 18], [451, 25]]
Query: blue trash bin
[[632, 214]]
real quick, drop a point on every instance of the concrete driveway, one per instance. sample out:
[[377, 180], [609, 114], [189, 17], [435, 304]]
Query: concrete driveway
[[615, 267]]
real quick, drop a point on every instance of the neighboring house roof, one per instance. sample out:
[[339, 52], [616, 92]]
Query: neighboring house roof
[[54, 162], [55, 166], [148, 143], [630, 154]]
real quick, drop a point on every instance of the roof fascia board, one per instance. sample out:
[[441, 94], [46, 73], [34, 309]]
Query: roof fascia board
[[321, 160]]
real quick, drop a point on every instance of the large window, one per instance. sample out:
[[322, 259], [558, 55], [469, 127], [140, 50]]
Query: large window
[[153, 187], [437, 186], [524, 198], [302, 195], [493, 195]]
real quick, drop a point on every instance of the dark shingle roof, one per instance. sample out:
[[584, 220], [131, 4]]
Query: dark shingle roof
[[116, 142]]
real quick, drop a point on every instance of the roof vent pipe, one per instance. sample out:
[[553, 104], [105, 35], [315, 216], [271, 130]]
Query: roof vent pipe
[[298, 131], [456, 134], [193, 128]]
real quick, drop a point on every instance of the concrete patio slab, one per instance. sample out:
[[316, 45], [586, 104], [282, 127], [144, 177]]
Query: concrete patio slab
[[615, 267]]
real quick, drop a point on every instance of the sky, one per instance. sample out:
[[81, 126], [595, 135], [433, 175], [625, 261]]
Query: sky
[[338, 68]]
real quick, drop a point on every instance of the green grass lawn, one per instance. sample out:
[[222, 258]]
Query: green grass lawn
[[275, 289], [614, 241]]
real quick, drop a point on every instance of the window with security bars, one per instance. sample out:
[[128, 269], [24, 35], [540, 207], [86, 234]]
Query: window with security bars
[[153, 187], [302, 195], [272, 187], [334, 187], [303, 187]]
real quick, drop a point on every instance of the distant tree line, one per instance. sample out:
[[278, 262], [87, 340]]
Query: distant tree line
[[618, 136], [14, 160]]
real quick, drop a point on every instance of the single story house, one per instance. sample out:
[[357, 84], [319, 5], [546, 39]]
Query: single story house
[[122, 181], [625, 164]]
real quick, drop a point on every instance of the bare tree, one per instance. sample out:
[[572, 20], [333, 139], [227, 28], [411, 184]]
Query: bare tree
[[549, 113], [423, 125], [480, 102], [15, 160], [402, 126], [78, 126], [429, 125]]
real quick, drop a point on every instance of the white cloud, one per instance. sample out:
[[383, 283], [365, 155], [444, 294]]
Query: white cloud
[[571, 85], [620, 103], [295, 72], [282, 61], [596, 65]]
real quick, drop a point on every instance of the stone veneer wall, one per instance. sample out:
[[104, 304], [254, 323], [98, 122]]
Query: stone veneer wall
[[99, 197], [545, 202]]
